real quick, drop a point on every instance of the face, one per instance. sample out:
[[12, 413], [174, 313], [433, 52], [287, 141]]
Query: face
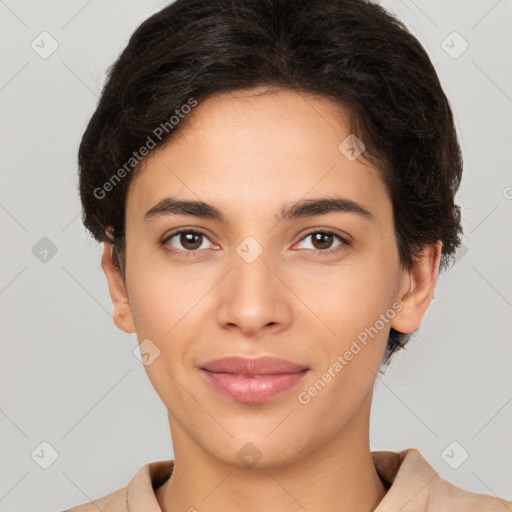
[[320, 287]]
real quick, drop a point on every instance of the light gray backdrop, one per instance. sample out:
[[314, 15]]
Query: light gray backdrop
[[78, 414]]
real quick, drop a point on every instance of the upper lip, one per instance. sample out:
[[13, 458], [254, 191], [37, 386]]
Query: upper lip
[[265, 365]]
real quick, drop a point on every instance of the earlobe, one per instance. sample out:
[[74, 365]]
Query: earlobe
[[421, 279], [122, 313]]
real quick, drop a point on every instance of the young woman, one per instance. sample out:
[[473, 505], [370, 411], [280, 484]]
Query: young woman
[[273, 182]]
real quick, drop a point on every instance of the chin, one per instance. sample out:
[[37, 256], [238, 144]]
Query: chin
[[258, 452]]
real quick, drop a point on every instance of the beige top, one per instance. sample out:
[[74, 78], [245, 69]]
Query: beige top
[[415, 486]]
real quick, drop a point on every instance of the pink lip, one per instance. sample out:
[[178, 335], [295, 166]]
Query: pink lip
[[252, 366], [252, 380]]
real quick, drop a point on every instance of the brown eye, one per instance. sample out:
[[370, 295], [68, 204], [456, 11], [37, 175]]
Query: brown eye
[[185, 241], [190, 241], [322, 241]]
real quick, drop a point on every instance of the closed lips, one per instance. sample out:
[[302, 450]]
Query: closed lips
[[253, 367], [253, 380]]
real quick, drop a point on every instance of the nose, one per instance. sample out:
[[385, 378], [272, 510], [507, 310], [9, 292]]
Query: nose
[[254, 296]]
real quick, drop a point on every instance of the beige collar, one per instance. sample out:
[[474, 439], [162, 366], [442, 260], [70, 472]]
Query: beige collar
[[415, 486]]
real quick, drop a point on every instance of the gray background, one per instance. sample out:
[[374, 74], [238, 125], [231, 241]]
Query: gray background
[[70, 377]]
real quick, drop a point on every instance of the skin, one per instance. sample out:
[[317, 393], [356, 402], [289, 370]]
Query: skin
[[249, 154]]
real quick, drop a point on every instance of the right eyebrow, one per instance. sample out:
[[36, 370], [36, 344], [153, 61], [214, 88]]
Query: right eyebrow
[[173, 206]]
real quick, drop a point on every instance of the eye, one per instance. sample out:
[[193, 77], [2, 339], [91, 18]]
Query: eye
[[192, 241], [189, 240], [322, 241]]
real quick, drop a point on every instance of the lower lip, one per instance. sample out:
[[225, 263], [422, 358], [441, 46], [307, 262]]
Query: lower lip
[[253, 389]]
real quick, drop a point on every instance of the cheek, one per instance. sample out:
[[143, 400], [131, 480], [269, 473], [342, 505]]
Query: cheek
[[161, 311], [158, 291], [166, 306], [348, 297], [358, 311]]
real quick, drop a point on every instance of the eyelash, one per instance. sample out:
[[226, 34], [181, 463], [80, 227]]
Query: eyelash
[[345, 242]]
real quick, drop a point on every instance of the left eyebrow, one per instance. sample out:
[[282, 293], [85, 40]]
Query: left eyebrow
[[311, 207], [302, 208]]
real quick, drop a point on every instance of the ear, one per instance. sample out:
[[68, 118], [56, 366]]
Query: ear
[[418, 290], [122, 313]]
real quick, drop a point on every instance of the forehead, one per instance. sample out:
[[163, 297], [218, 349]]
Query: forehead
[[245, 147]]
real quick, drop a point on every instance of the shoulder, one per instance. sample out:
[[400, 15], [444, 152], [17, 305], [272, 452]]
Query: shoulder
[[116, 501], [415, 486], [139, 494], [444, 495]]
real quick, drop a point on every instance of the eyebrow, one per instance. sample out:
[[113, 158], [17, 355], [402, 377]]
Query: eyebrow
[[302, 208]]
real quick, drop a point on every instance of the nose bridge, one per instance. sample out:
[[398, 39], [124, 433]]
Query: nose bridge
[[254, 296], [251, 276]]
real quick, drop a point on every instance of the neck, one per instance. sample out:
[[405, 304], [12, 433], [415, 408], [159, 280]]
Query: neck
[[337, 475]]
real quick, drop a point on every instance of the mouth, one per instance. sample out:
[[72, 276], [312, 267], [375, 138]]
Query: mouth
[[252, 380], [252, 388]]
